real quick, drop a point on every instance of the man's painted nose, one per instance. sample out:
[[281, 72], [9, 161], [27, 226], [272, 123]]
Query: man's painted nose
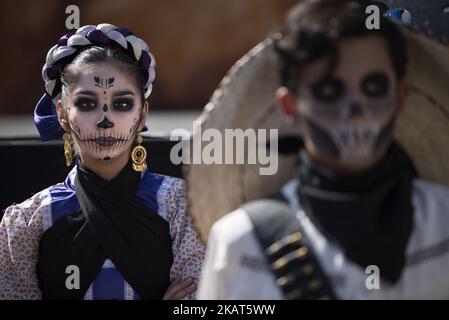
[[355, 110], [105, 123]]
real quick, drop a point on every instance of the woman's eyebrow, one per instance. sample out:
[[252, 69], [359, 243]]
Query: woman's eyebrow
[[123, 93], [86, 93]]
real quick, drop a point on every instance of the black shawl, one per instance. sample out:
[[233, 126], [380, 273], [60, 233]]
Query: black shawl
[[111, 224], [370, 215]]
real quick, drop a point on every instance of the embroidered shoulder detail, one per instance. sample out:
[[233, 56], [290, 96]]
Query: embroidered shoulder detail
[[41, 203], [37, 205]]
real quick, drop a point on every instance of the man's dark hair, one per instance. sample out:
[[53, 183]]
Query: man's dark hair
[[313, 29]]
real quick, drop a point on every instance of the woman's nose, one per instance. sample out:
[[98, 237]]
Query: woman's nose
[[105, 123]]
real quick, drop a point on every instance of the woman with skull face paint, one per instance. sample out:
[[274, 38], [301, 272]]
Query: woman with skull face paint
[[121, 228], [355, 216]]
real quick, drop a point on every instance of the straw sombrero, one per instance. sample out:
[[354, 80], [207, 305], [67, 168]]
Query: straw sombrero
[[243, 101]]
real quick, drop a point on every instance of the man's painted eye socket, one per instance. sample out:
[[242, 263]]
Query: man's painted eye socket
[[375, 85], [123, 104], [85, 104], [328, 89]]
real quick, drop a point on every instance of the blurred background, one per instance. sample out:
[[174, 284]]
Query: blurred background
[[194, 42]]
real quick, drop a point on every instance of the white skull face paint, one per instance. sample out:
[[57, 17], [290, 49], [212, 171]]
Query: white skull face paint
[[104, 112], [349, 114]]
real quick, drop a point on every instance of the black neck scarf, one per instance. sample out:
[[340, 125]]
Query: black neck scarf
[[370, 216], [111, 224]]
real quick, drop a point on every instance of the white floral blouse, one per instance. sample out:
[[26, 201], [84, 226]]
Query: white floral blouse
[[23, 225]]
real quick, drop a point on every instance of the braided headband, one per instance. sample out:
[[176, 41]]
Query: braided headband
[[68, 47]]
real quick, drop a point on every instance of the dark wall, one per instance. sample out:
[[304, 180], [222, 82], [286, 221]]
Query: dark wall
[[28, 165]]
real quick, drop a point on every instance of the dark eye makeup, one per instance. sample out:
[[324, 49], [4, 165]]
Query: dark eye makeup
[[375, 85], [85, 104], [123, 104], [88, 103], [328, 89]]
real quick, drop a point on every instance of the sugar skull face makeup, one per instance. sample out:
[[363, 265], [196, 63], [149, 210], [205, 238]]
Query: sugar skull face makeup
[[349, 115], [104, 112]]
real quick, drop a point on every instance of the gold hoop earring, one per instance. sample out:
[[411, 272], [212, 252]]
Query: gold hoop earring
[[68, 151], [139, 156]]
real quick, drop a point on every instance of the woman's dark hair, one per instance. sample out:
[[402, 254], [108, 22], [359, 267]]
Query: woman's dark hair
[[108, 54], [313, 29]]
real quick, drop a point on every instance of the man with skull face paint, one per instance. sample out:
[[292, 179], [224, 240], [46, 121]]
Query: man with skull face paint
[[349, 115], [122, 228], [355, 203]]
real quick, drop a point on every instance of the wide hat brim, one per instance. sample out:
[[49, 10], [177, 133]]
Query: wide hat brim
[[246, 99]]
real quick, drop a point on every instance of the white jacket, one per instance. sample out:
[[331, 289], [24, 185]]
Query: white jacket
[[235, 266]]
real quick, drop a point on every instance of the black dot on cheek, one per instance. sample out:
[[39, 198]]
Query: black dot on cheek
[[104, 92]]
